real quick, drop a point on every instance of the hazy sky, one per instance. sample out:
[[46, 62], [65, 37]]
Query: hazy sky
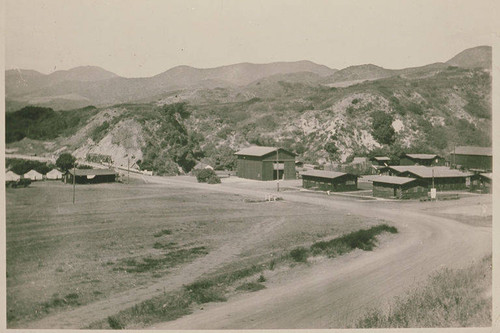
[[143, 38]]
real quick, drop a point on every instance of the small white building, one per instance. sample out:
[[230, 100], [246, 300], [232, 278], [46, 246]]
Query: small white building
[[54, 174], [33, 175], [11, 176]]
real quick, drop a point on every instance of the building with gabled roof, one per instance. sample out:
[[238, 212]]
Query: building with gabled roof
[[421, 159], [469, 157], [329, 180], [265, 163], [380, 160], [398, 187], [443, 177], [91, 176]]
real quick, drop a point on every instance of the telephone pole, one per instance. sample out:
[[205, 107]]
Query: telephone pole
[[74, 182], [277, 172]]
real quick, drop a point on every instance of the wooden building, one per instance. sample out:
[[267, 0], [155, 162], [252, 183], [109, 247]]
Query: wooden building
[[421, 159], [398, 187], [443, 177], [265, 163], [482, 182], [468, 157], [380, 160], [329, 180], [91, 176]]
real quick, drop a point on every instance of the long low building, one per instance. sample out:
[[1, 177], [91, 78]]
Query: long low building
[[329, 180], [443, 177], [421, 159], [398, 187], [91, 176], [468, 157]]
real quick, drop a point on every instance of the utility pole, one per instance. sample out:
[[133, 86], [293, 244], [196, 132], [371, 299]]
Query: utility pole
[[128, 170], [277, 172], [74, 182]]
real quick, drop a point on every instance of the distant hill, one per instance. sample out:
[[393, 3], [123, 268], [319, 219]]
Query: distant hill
[[94, 86], [474, 57]]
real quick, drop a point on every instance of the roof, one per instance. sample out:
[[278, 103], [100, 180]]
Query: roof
[[426, 172], [380, 158], [93, 172], [33, 172], [470, 150], [488, 175], [54, 171], [10, 175], [324, 174], [259, 151], [358, 160], [422, 156], [393, 180]]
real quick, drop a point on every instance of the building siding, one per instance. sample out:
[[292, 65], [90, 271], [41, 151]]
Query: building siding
[[406, 191], [472, 161], [335, 185]]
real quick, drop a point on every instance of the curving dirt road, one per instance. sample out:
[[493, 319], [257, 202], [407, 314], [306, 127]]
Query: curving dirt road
[[331, 293]]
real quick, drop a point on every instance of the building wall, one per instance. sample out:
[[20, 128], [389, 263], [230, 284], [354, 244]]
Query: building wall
[[249, 167], [472, 161], [345, 183], [407, 191], [446, 184], [95, 180], [409, 161]]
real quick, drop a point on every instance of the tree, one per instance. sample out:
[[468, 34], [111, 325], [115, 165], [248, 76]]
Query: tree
[[65, 161], [333, 152], [382, 129]]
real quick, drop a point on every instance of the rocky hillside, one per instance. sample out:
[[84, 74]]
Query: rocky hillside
[[426, 109]]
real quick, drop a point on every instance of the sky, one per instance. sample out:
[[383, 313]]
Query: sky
[[142, 38]]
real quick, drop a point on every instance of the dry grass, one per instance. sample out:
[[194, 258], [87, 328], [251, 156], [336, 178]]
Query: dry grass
[[105, 243], [450, 298]]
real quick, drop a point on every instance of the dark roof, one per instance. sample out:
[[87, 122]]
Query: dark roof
[[422, 156], [470, 150], [259, 151], [324, 174], [93, 172], [426, 172], [393, 180]]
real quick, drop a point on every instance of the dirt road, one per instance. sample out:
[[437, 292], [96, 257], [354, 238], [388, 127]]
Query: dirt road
[[336, 292], [332, 294]]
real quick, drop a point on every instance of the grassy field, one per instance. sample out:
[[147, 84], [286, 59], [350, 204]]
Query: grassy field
[[450, 298], [118, 237]]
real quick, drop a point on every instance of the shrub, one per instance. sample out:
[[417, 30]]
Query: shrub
[[251, 286], [204, 175], [299, 254], [115, 324], [213, 180], [24, 182]]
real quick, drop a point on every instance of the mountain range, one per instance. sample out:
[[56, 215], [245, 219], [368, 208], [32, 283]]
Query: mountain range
[[170, 121], [90, 85]]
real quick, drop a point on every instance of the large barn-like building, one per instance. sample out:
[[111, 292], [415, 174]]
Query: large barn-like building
[[329, 180], [91, 176], [468, 157], [265, 163]]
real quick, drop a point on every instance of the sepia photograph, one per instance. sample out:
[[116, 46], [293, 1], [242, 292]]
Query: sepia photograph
[[215, 165]]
